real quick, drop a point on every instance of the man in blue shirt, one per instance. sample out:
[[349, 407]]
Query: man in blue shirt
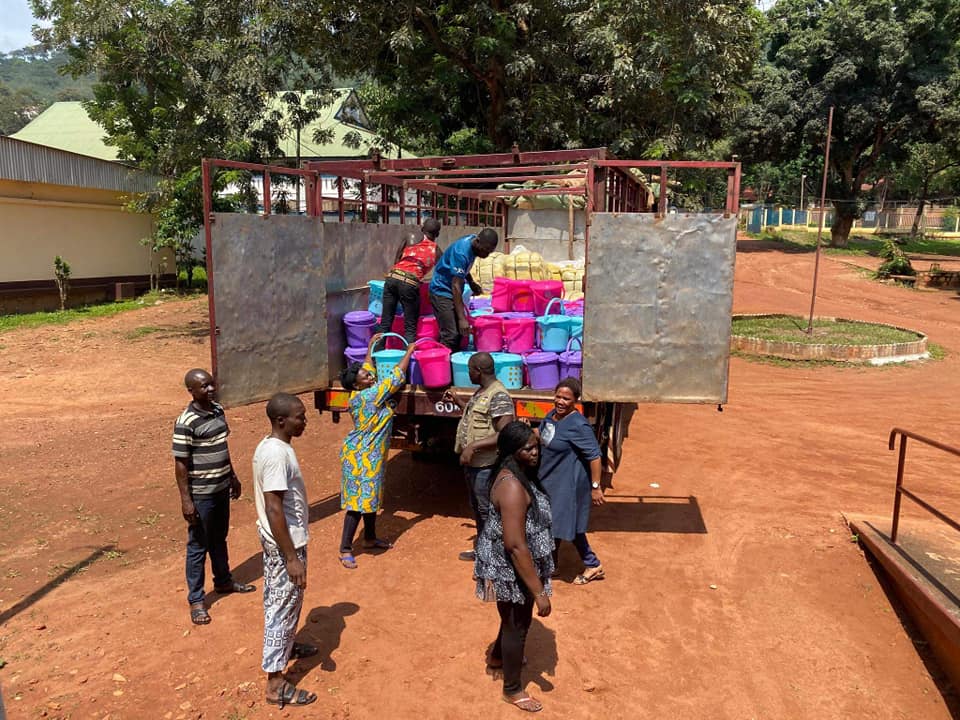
[[449, 276]]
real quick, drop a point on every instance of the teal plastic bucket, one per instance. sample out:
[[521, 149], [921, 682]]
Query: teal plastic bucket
[[554, 330], [461, 375], [508, 367], [576, 327], [387, 360]]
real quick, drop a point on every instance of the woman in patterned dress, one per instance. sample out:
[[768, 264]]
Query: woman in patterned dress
[[515, 555], [365, 449]]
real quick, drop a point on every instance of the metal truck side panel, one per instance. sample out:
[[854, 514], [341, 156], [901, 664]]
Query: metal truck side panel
[[270, 305], [657, 313]]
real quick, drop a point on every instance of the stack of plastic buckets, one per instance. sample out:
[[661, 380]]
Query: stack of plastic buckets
[[543, 370], [461, 374], [554, 330], [508, 367], [358, 327], [571, 361]]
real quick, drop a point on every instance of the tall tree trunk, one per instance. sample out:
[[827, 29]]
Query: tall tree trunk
[[914, 231], [840, 229]]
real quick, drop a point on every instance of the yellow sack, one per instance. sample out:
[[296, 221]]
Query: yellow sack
[[552, 271], [523, 266], [486, 269], [572, 278]]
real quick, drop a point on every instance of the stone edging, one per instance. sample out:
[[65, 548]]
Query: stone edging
[[836, 353]]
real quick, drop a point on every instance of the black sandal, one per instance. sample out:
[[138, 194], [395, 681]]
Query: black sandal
[[289, 695], [199, 616], [234, 587]]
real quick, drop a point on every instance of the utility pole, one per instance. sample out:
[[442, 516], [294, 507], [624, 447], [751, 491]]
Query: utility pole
[[803, 179], [823, 202]]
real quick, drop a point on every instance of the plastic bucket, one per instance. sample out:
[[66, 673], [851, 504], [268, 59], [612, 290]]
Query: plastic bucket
[[434, 365], [502, 298], [554, 330], [543, 370], [571, 361], [386, 360], [543, 292], [573, 307], [375, 302], [481, 303], [461, 375], [576, 327], [428, 328], [355, 355], [508, 368], [488, 333], [521, 299], [359, 328], [519, 334]]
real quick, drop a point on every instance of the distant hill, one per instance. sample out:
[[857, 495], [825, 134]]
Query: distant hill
[[30, 83]]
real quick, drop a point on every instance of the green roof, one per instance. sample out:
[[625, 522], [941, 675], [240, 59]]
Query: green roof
[[66, 126]]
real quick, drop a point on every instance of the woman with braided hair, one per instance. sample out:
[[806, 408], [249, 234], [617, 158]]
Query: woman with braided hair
[[514, 554]]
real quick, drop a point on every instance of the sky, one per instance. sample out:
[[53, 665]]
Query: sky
[[15, 22]]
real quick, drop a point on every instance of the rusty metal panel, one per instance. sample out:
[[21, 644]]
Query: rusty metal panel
[[657, 311], [269, 281]]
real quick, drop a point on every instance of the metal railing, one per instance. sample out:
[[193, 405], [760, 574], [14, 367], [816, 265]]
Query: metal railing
[[901, 490]]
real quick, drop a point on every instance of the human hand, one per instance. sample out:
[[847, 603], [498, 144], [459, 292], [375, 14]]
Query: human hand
[[235, 487], [467, 455], [543, 606], [463, 325], [451, 396], [475, 288], [189, 511], [297, 572], [374, 340], [596, 495]]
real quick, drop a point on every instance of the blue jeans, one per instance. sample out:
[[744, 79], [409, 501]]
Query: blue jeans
[[587, 555], [478, 485], [208, 535]]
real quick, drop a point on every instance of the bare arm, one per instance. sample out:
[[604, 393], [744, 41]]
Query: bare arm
[[273, 505], [456, 286], [596, 475], [475, 287], [373, 343], [183, 485], [512, 501]]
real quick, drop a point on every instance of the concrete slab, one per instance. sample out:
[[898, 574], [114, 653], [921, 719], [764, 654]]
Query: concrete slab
[[924, 569]]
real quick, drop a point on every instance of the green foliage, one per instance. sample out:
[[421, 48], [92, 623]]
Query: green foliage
[[889, 68], [792, 328], [62, 317], [30, 81], [643, 77], [895, 261], [61, 275]]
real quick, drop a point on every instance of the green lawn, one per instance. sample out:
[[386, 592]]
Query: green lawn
[[801, 241], [36, 319], [791, 328]]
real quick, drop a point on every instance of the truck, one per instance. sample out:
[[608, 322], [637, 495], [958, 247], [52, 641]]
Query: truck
[[658, 281]]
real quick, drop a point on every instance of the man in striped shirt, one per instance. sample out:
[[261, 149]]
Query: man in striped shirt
[[206, 481]]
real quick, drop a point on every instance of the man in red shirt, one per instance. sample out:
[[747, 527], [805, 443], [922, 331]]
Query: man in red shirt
[[402, 283]]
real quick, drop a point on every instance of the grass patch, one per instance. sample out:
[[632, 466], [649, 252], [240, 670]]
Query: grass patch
[[937, 352], [802, 241], [142, 331], [791, 328], [38, 319]]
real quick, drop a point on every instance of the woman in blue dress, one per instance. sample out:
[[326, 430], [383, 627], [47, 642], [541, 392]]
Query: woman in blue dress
[[570, 470]]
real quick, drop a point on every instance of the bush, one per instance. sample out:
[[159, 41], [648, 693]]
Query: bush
[[895, 261], [199, 279]]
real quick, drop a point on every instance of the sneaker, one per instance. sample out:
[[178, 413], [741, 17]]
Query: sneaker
[[468, 556]]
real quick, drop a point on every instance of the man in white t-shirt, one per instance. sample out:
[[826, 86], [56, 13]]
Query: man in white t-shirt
[[282, 522]]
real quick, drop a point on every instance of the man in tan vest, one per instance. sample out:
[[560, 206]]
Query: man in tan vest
[[484, 416]]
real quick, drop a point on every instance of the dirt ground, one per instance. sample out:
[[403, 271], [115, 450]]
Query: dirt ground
[[733, 588]]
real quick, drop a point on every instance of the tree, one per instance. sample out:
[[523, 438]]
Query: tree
[[926, 163], [61, 276], [17, 108], [880, 63], [451, 75]]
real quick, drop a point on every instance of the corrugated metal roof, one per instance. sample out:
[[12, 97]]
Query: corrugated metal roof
[[66, 126], [29, 162]]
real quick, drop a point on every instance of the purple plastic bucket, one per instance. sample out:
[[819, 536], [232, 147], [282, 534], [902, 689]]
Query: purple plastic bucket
[[416, 377], [355, 354], [359, 328], [571, 361], [543, 370], [480, 303]]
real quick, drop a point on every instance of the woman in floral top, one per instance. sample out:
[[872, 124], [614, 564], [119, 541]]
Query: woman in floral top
[[365, 449], [514, 554]]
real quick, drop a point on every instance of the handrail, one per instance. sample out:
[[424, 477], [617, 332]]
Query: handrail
[[900, 490]]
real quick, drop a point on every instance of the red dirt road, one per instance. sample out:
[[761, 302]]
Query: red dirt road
[[748, 501]]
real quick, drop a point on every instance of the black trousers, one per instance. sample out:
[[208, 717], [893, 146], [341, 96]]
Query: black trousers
[[446, 314], [515, 621], [350, 522], [408, 295]]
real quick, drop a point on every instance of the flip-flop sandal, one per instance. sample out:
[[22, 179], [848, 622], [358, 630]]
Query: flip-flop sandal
[[348, 561], [377, 544], [289, 695], [234, 588], [527, 704], [589, 577], [199, 616], [303, 650]]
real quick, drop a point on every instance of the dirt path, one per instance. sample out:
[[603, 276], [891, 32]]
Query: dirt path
[[92, 598]]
